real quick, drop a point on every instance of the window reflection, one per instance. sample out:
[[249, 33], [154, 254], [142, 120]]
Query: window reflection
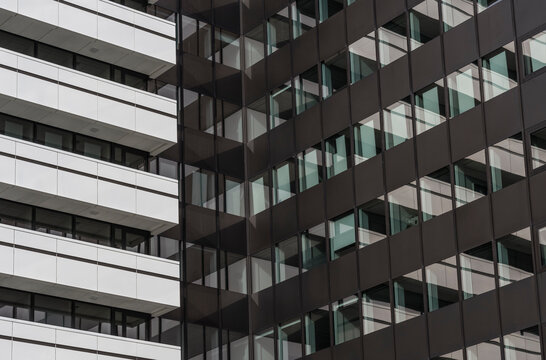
[[90, 317], [408, 296], [534, 52], [286, 259], [196, 37], [227, 49], [507, 162], [303, 17], [261, 270], [371, 222], [484, 4], [346, 318], [429, 107], [15, 304], [392, 40], [259, 194], [313, 247], [284, 182], [464, 89], [334, 74], [310, 167], [202, 265], [436, 198], [514, 256], [264, 345], [499, 71], [424, 23], [278, 30], [470, 178], [317, 330], [342, 235], [229, 121], [306, 86], [200, 189], [442, 284], [256, 119], [363, 57], [403, 210], [477, 270], [254, 46], [455, 12], [233, 272], [52, 311], [487, 350], [280, 105], [397, 120], [376, 308], [337, 150], [367, 134], [289, 340], [523, 344]]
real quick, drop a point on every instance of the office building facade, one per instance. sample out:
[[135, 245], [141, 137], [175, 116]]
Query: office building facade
[[272, 179]]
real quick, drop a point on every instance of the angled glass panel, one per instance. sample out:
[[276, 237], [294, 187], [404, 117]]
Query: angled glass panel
[[317, 330], [523, 344], [477, 270], [487, 350], [397, 120], [313, 247], [261, 270], [328, 8], [436, 198], [334, 74], [408, 296], [200, 187], [470, 178], [376, 308], [256, 119], [367, 135], [310, 167], [514, 257], [442, 287], [342, 235], [430, 108], [259, 194], [403, 211], [306, 86], [392, 40], [303, 17], [499, 71], [337, 151], [363, 57], [346, 319], [484, 4], [280, 105], [538, 148], [278, 31], [534, 52], [286, 259], [507, 162], [284, 182], [264, 345], [424, 23], [290, 340], [456, 12], [254, 46], [463, 89], [371, 222]]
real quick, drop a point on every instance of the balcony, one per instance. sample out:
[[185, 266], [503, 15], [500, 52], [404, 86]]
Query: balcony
[[97, 28], [65, 98], [58, 180], [23, 340]]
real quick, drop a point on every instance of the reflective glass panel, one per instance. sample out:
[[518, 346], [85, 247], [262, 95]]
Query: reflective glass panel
[[430, 109], [264, 345], [484, 4], [408, 296], [92, 66], [464, 89], [337, 150], [14, 304], [261, 270], [15, 214], [286, 259], [538, 148], [306, 86], [235, 266], [52, 311], [15, 127], [259, 194], [534, 52], [456, 355], [227, 48], [92, 231], [403, 211], [499, 71], [455, 12], [53, 222], [231, 199], [317, 330], [254, 46], [487, 350], [346, 319], [303, 17], [376, 308], [436, 198], [256, 119], [16, 43], [371, 222], [54, 55], [200, 189], [284, 182], [514, 257], [477, 270], [280, 105], [363, 57], [91, 317], [442, 284], [507, 162], [392, 40], [334, 74], [523, 344], [470, 178], [398, 124], [313, 247], [342, 235], [94, 148], [290, 340], [328, 8], [367, 135], [56, 138], [278, 29], [424, 23], [310, 167]]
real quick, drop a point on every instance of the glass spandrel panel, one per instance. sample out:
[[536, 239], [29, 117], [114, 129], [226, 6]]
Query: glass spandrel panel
[[342, 235], [317, 330], [534, 52], [303, 17], [280, 105], [337, 151], [278, 29], [286, 259], [514, 257], [284, 182], [306, 87], [403, 210], [507, 162], [334, 74], [463, 89], [310, 167], [499, 71], [397, 120], [408, 296], [313, 247], [371, 222], [430, 109], [346, 317], [477, 270], [455, 12], [487, 350], [538, 148], [424, 23], [376, 308], [436, 198], [363, 57], [392, 40], [442, 287], [367, 134], [523, 345], [290, 340], [470, 178], [261, 270]]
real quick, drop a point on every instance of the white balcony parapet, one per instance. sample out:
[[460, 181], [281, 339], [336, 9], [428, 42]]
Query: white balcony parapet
[[97, 28], [24, 340], [59, 180], [66, 98], [39, 262]]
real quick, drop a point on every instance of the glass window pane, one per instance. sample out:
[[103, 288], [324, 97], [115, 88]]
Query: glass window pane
[[310, 167], [14, 304], [53, 222], [534, 52], [56, 138], [499, 71], [342, 235], [398, 124], [52, 311], [456, 355], [538, 148], [94, 148], [403, 211], [286, 259], [470, 178], [514, 256], [232, 199], [363, 57], [135, 326], [507, 162], [92, 231], [484, 4], [290, 340], [408, 296], [236, 273], [168, 168], [392, 40], [317, 330], [92, 66], [303, 17], [487, 350], [227, 49], [136, 241], [313, 247], [284, 182], [334, 74], [424, 23], [256, 119], [477, 270], [346, 319], [367, 135], [259, 194], [376, 308], [464, 89], [371, 222], [455, 12], [306, 86], [328, 8], [261, 270], [95, 318], [523, 344], [15, 127], [337, 153], [200, 189], [430, 108], [54, 55], [442, 284], [436, 196], [135, 160], [280, 105], [15, 214], [278, 31], [254, 46], [16, 43], [264, 345]]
